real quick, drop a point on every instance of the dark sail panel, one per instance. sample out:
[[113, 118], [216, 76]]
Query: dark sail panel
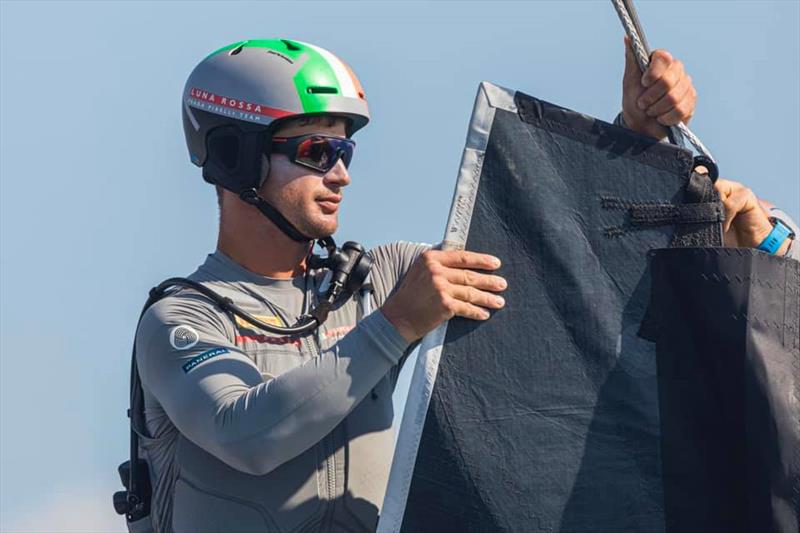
[[727, 328], [546, 418]]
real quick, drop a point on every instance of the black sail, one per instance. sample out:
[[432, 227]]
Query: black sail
[[557, 414]]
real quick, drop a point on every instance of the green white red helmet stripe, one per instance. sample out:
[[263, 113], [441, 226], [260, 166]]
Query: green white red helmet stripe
[[347, 86]]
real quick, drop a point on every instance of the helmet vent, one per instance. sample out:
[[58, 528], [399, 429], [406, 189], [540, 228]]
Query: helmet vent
[[290, 45], [322, 90], [236, 50]]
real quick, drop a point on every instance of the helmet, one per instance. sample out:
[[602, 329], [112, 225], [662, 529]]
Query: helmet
[[237, 96]]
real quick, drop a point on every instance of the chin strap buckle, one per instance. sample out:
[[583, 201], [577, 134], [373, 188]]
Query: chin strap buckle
[[249, 196]]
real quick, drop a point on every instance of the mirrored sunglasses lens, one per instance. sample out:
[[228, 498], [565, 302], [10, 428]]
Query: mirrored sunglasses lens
[[321, 153], [314, 152], [344, 150]]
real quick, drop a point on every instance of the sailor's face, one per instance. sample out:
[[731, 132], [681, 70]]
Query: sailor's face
[[309, 199]]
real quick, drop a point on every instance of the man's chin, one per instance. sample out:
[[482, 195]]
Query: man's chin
[[322, 229]]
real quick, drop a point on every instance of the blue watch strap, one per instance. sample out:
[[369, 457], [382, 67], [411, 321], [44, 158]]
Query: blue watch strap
[[780, 232]]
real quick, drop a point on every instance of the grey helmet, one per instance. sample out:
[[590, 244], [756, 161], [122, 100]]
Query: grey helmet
[[237, 96]]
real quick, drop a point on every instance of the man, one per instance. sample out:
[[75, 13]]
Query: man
[[254, 431]]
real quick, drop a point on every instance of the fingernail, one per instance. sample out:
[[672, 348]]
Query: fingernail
[[485, 315], [496, 262], [500, 301], [502, 283]]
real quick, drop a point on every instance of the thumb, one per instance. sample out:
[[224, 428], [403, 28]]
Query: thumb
[[633, 75]]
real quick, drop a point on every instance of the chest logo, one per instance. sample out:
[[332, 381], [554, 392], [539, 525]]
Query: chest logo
[[183, 337], [244, 324]]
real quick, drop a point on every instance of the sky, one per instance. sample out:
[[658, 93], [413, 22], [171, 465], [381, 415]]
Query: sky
[[98, 200]]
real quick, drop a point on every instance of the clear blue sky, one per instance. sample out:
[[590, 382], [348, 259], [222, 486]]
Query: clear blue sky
[[100, 202]]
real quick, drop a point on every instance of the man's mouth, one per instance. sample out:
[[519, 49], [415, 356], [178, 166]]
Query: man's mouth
[[329, 204]]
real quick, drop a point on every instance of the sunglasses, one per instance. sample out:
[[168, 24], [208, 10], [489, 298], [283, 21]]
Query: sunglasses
[[315, 151]]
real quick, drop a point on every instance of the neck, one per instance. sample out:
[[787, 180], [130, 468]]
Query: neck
[[258, 245]]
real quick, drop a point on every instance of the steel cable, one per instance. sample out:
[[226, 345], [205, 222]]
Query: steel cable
[[630, 21]]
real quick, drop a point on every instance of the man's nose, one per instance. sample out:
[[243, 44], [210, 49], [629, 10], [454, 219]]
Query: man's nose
[[338, 175]]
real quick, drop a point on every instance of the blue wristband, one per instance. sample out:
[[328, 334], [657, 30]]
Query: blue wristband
[[780, 232]]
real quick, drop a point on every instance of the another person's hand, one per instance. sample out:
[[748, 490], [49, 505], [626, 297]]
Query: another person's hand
[[746, 220], [663, 96], [441, 285]]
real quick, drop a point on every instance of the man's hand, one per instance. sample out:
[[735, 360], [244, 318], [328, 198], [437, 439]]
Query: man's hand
[[746, 220], [662, 96], [441, 285]]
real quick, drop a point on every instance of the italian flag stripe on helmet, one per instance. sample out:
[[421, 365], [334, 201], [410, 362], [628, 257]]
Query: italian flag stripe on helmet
[[347, 83]]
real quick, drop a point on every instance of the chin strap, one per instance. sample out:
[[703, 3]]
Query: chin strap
[[251, 197]]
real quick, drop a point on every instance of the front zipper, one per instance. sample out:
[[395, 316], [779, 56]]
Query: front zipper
[[313, 345], [331, 479], [331, 459], [311, 341]]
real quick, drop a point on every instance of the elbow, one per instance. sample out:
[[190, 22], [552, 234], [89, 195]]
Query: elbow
[[256, 455], [243, 451], [248, 458]]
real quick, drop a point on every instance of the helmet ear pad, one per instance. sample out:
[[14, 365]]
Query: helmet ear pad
[[234, 158]]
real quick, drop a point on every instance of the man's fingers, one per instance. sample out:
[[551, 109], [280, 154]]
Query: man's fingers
[[737, 200], [746, 219], [691, 98], [668, 102], [735, 204], [484, 282], [477, 297], [467, 310], [660, 61], [682, 112], [465, 259], [661, 85], [726, 187]]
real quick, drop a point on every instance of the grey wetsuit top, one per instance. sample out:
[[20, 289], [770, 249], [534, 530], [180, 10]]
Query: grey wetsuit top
[[251, 431]]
